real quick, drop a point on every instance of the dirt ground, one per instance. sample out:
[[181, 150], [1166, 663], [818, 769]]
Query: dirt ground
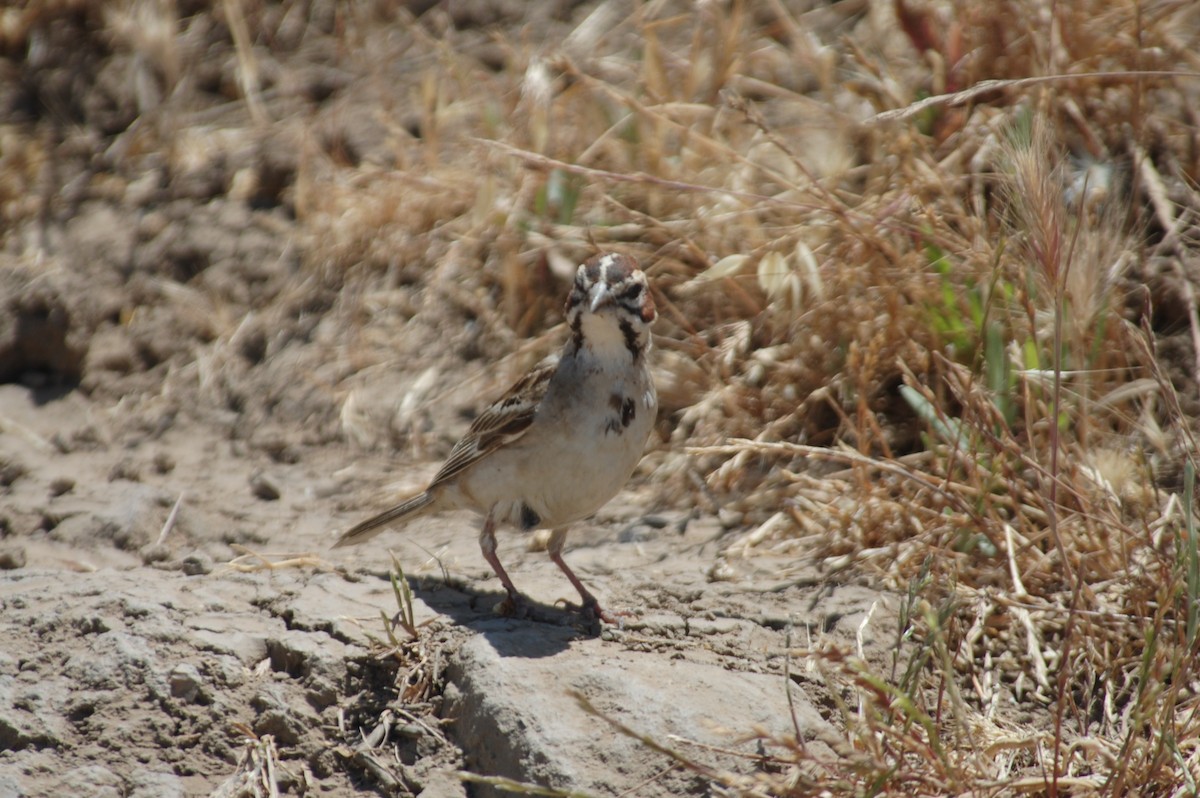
[[141, 650], [193, 405]]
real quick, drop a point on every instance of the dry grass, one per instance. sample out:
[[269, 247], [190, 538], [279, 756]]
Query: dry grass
[[949, 343]]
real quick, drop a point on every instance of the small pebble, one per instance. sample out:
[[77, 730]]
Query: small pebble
[[124, 469], [12, 557], [154, 552], [196, 564], [264, 487], [11, 471], [276, 716], [730, 518], [635, 533], [538, 541], [185, 682], [61, 485], [721, 571]]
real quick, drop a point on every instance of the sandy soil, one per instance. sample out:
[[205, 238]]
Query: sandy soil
[[143, 655]]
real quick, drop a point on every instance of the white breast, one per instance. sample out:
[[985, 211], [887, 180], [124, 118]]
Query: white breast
[[572, 460]]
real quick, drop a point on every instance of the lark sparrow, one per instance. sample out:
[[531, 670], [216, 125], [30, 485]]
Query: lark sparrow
[[565, 438]]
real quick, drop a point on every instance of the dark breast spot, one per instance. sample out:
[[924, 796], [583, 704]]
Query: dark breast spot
[[624, 408]]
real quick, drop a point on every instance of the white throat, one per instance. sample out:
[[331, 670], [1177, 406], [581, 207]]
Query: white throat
[[603, 338]]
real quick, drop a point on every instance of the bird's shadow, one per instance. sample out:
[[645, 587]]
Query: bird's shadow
[[543, 631]]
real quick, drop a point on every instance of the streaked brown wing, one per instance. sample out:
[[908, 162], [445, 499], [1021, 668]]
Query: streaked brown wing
[[504, 421]]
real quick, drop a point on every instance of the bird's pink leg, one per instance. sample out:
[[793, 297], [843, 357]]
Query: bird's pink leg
[[591, 606], [514, 605]]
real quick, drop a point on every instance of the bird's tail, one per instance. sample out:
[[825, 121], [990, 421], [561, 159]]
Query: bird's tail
[[368, 529]]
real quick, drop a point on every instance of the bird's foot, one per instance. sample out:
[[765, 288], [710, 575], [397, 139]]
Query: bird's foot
[[514, 606], [591, 611]]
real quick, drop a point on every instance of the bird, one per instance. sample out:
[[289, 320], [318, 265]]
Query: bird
[[564, 439]]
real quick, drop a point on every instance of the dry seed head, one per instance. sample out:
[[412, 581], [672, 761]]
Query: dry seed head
[[537, 93], [1035, 195], [1040, 190]]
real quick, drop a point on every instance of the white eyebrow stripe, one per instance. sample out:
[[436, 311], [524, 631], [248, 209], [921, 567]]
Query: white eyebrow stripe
[[605, 262]]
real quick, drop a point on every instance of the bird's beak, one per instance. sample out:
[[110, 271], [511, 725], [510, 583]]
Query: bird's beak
[[599, 294]]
